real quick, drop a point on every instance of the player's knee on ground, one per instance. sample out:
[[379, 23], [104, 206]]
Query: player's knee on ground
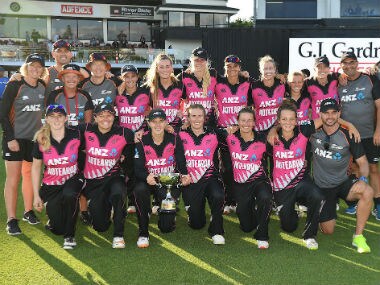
[[288, 220], [196, 222]]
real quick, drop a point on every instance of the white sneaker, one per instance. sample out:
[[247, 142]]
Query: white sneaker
[[262, 244], [69, 243], [233, 208], [131, 210], [118, 242], [143, 242], [218, 239], [155, 210], [226, 210], [337, 206], [311, 243]]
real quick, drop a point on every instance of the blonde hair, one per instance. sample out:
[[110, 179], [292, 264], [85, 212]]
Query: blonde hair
[[266, 59], [42, 136], [24, 71], [291, 75], [152, 77], [206, 79]]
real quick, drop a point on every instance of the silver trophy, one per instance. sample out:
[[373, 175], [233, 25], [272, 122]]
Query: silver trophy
[[168, 179]]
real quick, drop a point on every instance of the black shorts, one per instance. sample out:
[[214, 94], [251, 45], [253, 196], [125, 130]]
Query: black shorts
[[371, 151], [25, 153], [331, 194]]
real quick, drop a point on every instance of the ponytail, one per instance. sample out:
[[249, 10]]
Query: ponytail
[[42, 136]]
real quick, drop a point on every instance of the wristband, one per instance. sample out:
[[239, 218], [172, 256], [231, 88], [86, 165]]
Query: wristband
[[363, 178]]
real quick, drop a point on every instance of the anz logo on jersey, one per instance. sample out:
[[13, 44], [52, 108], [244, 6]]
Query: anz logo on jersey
[[354, 97], [327, 153], [32, 108]]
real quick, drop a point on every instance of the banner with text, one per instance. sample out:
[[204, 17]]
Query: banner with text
[[303, 51]]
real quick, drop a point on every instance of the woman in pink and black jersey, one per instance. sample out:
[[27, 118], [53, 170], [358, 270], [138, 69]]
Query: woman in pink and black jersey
[[158, 151], [298, 93], [200, 144], [232, 93], [133, 103], [109, 150], [290, 179], [57, 147], [267, 95], [199, 83], [323, 85], [252, 190], [166, 90]]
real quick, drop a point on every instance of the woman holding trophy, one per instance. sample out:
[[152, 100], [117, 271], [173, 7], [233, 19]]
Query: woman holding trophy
[[158, 156]]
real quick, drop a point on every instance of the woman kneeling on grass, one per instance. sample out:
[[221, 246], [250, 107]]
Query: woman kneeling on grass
[[57, 147], [106, 147]]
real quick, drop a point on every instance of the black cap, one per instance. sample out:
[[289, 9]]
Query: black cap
[[329, 104], [61, 44], [348, 54], [35, 57], [305, 72], [200, 52], [233, 59], [322, 59], [70, 68], [129, 68], [104, 107], [156, 113], [97, 56], [55, 109]]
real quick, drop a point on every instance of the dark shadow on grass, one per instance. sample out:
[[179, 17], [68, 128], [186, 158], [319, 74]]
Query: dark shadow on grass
[[62, 268]]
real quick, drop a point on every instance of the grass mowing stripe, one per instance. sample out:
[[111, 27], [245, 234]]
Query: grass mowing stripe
[[355, 263]]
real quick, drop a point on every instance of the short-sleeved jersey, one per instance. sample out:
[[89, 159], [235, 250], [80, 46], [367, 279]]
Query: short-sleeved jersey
[[230, 99], [319, 92], [332, 156], [104, 92], [103, 151], [61, 159], [357, 99], [21, 109], [75, 106], [266, 101], [132, 108], [303, 107], [289, 158]]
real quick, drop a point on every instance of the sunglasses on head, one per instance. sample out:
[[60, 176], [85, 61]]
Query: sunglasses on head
[[233, 59], [326, 143]]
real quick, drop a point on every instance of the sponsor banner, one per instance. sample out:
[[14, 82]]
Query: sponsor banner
[[303, 51], [117, 11], [76, 9]]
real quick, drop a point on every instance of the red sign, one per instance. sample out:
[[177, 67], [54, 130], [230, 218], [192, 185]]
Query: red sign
[[76, 9]]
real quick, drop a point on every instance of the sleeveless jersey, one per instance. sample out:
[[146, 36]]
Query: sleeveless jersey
[[132, 109], [104, 159], [230, 100], [289, 164], [247, 163], [199, 157], [60, 166], [266, 102], [319, 92]]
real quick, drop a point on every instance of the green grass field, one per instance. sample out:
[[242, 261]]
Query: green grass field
[[186, 256]]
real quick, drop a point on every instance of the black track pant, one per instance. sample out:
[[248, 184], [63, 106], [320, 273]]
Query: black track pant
[[104, 195], [306, 193], [254, 203], [142, 192], [62, 205], [195, 196], [227, 174]]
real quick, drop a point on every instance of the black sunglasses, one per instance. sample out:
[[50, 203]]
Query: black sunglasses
[[326, 143]]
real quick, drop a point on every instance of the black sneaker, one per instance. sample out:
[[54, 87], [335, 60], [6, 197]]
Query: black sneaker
[[13, 228], [85, 217], [31, 218], [48, 227]]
